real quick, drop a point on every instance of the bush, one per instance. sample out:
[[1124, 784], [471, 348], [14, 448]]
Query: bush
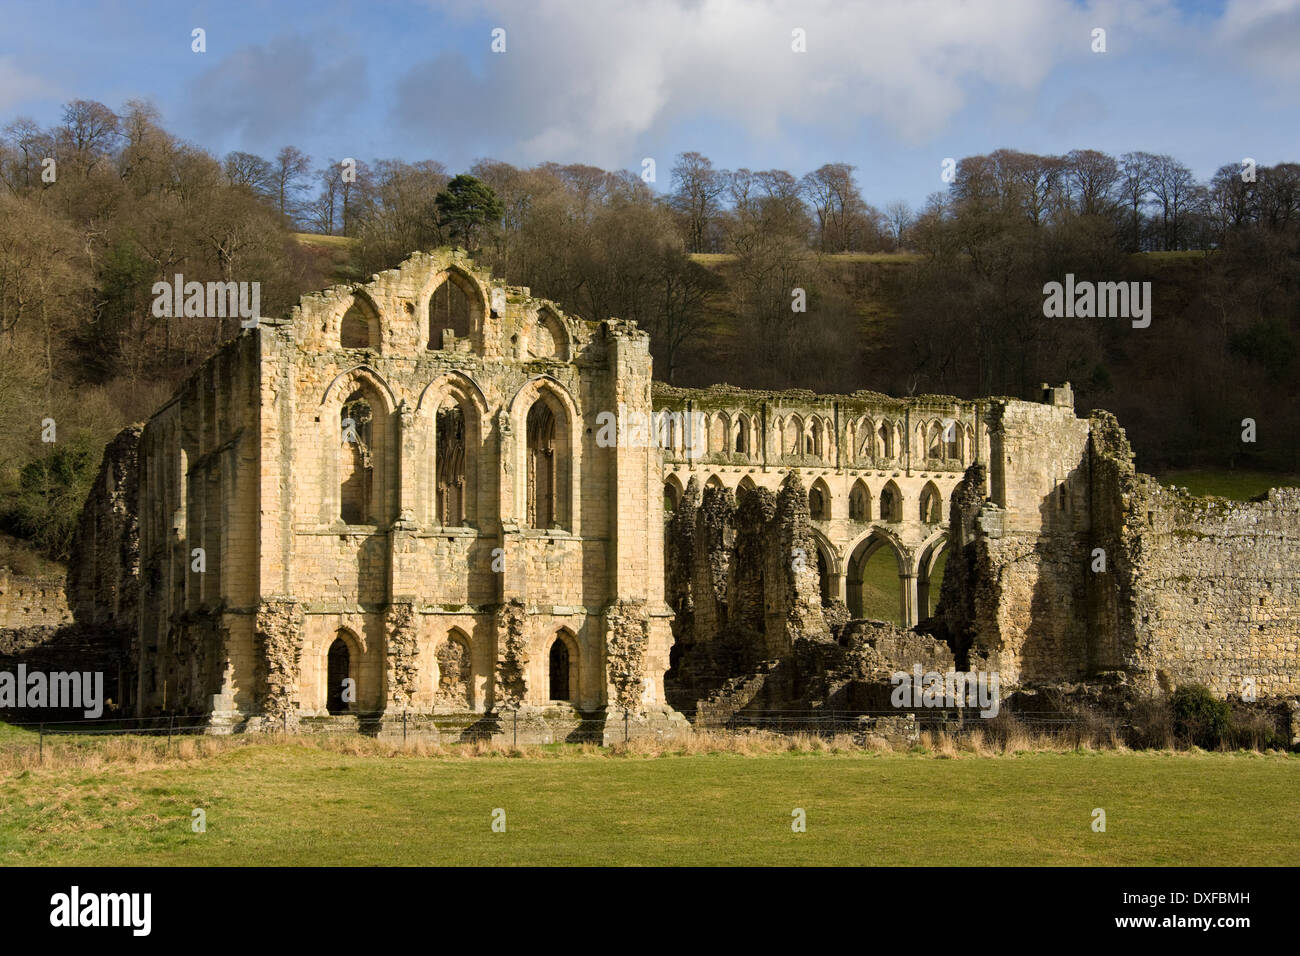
[[50, 494], [1200, 718]]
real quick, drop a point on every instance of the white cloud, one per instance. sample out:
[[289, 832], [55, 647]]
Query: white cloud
[[588, 80], [1264, 35]]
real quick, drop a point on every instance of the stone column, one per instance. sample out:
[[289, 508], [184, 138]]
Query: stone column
[[908, 587]]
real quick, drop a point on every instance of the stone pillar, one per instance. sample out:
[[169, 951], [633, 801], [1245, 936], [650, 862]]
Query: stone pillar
[[409, 462], [908, 587]]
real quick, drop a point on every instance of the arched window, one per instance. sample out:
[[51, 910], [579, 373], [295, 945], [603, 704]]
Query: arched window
[[865, 438], [793, 442], [931, 504], [952, 439], [741, 430], [934, 443], [718, 431], [819, 501], [886, 436], [859, 502], [455, 669], [891, 503], [357, 465], [546, 339], [559, 670], [670, 497], [746, 484], [813, 439], [541, 466], [339, 693], [450, 309], [450, 425], [355, 330]]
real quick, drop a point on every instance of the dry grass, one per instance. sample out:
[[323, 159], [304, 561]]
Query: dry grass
[[1003, 736]]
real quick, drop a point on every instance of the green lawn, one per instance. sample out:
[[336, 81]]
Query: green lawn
[[286, 803], [1238, 485], [882, 591]]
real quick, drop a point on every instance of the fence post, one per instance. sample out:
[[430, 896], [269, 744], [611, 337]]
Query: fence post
[[42, 743], [514, 720], [171, 722], [403, 726], [625, 731]]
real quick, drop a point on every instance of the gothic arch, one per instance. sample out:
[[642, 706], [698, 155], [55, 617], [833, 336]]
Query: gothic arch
[[454, 381], [828, 566], [359, 326], [860, 552], [719, 430], [562, 651], [860, 501], [357, 441], [888, 445], [891, 502], [545, 423], [864, 441], [792, 438], [819, 501], [931, 504], [454, 660], [746, 484], [927, 559], [742, 438], [672, 493], [340, 659], [548, 337], [359, 373], [475, 307], [453, 426]]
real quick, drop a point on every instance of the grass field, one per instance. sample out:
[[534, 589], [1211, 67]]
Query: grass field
[[298, 804], [1238, 485]]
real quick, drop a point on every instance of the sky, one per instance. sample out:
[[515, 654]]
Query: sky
[[892, 87]]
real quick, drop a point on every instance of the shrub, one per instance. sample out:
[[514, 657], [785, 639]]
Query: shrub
[[1199, 717]]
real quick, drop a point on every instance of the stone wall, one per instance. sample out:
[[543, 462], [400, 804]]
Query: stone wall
[[1196, 589], [27, 602]]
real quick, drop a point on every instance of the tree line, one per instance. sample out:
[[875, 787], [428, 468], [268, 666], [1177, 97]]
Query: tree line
[[766, 279]]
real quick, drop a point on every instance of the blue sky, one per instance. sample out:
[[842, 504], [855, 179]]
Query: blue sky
[[892, 87]]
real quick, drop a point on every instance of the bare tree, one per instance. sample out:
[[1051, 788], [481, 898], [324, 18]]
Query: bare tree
[[696, 188], [292, 168]]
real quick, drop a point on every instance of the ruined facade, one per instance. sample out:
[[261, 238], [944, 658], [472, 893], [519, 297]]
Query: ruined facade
[[433, 495], [393, 502], [1063, 563]]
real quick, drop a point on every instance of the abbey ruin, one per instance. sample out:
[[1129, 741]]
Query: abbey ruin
[[403, 502]]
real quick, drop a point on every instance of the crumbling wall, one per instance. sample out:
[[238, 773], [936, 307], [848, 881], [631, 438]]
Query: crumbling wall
[[1216, 591], [512, 655], [279, 635], [1187, 589], [104, 569], [32, 602], [90, 625], [627, 634], [402, 653], [749, 580]]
